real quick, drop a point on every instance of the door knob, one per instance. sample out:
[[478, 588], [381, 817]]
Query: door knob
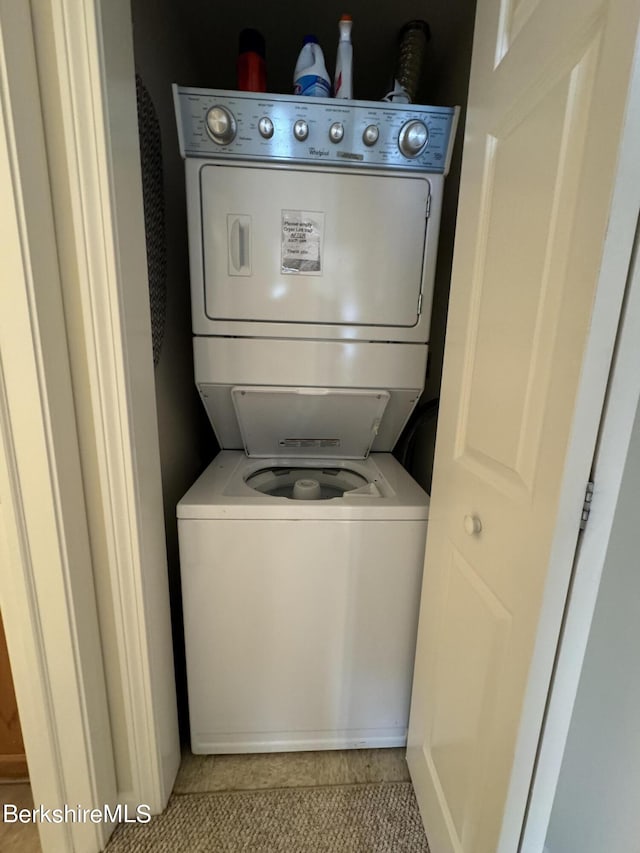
[[472, 524]]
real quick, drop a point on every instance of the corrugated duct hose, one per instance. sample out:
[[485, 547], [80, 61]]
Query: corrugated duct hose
[[154, 213], [404, 450]]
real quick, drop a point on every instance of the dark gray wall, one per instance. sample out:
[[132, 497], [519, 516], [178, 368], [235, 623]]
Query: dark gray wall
[[163, 54], [215, 28], [448, 79]]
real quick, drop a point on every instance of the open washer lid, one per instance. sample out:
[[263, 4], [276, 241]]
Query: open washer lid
[[337, 423]]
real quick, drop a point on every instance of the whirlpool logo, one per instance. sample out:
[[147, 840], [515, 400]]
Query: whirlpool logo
[[319, 152]]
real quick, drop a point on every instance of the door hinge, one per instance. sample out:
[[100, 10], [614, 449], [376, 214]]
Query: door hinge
[[428, 211], [420, 304], [586, 506]]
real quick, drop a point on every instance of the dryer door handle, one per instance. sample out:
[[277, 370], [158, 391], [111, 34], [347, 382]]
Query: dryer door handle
[[239, 244]]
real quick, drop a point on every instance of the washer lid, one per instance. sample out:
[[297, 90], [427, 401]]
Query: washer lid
[[338, 423]]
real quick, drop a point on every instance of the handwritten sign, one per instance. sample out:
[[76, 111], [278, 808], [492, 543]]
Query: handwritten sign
[[302, 242]]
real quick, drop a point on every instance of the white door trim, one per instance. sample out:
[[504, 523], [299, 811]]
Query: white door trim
[[47, 594], [85, 58], [623, 394]]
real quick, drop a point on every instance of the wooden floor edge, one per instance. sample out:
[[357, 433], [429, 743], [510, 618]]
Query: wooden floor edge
[[13, 768]]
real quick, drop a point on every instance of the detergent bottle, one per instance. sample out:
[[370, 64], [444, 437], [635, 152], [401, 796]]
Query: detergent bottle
[[310, 76]]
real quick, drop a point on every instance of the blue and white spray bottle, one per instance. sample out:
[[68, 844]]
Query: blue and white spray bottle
[[343, 82]]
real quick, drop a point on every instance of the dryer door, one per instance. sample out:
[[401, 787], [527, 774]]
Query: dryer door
[[311, 246]]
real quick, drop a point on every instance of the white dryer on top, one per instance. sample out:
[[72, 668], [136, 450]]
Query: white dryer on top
[[314, 234]]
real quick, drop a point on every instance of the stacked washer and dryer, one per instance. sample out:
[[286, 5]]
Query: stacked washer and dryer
[[313, 228]]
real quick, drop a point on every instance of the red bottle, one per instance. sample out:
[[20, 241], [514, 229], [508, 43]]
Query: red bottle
[[252, 68]]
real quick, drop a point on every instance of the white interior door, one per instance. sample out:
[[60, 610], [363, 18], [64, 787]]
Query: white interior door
[[546, 111]]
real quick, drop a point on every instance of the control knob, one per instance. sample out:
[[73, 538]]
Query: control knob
[[336, 132], [265, 126], [221, 125], [301, 130], [413, 138], [370, 135]]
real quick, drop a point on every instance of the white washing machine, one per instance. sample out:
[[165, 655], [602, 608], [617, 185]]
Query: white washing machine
[[300, 613], [313, 229]]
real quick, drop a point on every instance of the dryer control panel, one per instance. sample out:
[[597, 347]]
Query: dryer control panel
[[223, 124]]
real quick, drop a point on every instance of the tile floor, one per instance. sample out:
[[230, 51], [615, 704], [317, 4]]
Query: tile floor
[[207, 773], [18, 837]]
